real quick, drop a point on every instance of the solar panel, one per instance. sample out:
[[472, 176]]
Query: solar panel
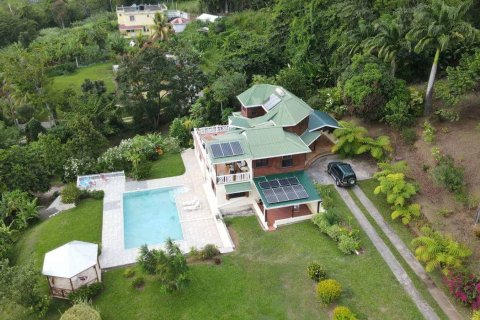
[[270, 196], [283, 182], [216, 150], [274, 183], [264, 185], [293, 181], [272, 101], [291, 195], [300, 191], [281, 196], [237, 148], [227, 150]]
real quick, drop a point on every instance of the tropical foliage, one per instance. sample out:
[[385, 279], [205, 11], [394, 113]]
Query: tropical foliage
[[438, 251]]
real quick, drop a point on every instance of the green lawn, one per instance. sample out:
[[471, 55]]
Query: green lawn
[[100, 71], [265, 278], [169, 165], [404, 233]]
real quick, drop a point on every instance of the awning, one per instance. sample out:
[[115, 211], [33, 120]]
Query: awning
[[310, 137], [286, 189], [238, 187]]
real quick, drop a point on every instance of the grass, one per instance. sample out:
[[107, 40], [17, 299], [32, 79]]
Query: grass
[[99, 71], [265, 278], [169, 165], [405, 234], [421, 287]]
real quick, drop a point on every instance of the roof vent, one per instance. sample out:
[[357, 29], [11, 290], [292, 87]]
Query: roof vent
[[280, 91]]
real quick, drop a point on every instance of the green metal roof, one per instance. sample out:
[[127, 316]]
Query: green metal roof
[[273, 142], [238, 187], [288, 112], [309, 137], [304, 179], [234, 135], [319, 119]]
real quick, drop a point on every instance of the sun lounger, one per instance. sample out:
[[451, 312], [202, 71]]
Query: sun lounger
[[190, 202], [192, 207]]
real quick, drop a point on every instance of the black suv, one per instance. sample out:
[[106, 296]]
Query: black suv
[[342, 173]]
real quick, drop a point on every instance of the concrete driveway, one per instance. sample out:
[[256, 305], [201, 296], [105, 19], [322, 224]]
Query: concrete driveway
[[364, 168]]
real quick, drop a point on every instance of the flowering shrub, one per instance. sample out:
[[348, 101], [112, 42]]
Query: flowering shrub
[[465, 288], [76, 167], [329, 290], [343, 313]]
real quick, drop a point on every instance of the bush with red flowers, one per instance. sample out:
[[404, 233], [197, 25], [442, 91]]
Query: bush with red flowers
[[465, 288]]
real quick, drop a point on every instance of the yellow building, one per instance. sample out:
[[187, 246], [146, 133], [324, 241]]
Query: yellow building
[[138, 19]]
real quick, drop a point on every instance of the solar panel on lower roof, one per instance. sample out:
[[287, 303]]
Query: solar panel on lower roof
[[293, 181], [274, 183], [281, 196], [291, 195], [227, 150], [237, 148], [270, 196], [284, 182], [300, 191], [216, 150], [264, 185]]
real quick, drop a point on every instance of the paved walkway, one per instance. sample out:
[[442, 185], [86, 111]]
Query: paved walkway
[[405, 252], [389, 258]]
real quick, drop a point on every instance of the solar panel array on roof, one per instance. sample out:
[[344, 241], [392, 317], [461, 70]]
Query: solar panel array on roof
[[272, 101], [226, 149], [281, 190]]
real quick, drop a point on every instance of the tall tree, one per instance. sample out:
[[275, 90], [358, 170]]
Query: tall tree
[[389, 40], [161, 27], [438, 26]]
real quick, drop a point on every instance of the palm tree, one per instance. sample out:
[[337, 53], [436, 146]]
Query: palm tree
[[161, 27], [438, 26], [438, 251], [388, 41]]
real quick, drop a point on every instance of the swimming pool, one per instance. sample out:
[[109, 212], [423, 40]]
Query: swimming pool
[[150, 217]]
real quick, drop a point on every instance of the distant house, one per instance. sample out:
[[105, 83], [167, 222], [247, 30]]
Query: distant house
[[257, 162], [205, 17], [179, 24]]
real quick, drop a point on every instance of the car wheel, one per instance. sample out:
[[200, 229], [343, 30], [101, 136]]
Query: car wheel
[[352, 182], [337, 183]]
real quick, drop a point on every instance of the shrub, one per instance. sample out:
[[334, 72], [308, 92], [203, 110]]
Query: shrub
[[209, 252], [475, 315], [449, 175], [334, 232], [129, 272], [326, 195], [428, 132], [476, 230], [316, 271], [347, 244], [447, 115], [81, 311], [147, 260], [406, 213], [409, 135], [321, 222], [194, 253], [138, 282], [343, 313], [86, 293], [465, 288], [329, 290], [70, 194]]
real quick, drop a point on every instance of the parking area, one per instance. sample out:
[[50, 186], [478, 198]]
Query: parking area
[[364, 168]]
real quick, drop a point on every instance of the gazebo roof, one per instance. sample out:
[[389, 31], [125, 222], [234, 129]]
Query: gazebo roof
[[70, 259]]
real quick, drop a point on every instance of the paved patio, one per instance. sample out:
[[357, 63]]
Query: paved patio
[[199, 227]]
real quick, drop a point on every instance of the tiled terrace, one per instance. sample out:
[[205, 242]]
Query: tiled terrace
[[199, 227]]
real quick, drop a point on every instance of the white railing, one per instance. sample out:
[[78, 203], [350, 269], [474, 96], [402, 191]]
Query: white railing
[[230, 178], [214, 129]]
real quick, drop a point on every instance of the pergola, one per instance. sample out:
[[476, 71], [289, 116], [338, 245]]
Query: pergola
[[71, 266]]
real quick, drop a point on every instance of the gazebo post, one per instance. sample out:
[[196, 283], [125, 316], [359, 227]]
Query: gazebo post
[[49, 285], [96, 273], [71, 284]]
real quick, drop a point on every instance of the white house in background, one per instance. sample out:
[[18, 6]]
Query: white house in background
[[179, 24], [205, 17]]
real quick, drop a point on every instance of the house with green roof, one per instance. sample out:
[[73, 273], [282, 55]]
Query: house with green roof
[[257, 162]]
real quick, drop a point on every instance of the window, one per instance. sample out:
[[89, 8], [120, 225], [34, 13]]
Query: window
[[132, 18], [287, 161], [261, 163]]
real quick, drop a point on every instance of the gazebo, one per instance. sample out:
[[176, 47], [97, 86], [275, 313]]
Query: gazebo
[[71, 266]]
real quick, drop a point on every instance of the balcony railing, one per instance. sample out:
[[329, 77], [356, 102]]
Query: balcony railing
[[214, 129], [230, 178]]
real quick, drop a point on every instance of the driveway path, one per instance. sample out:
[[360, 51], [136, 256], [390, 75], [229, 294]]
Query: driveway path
[[389, 258], [436, 293]]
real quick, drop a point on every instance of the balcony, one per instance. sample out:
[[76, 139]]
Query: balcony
[[236, 177], [213, 129]]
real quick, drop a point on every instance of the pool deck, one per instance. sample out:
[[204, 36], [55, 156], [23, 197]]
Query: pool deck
[[199, 227]]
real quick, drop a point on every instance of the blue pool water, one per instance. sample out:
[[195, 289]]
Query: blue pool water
[[150, 217]]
